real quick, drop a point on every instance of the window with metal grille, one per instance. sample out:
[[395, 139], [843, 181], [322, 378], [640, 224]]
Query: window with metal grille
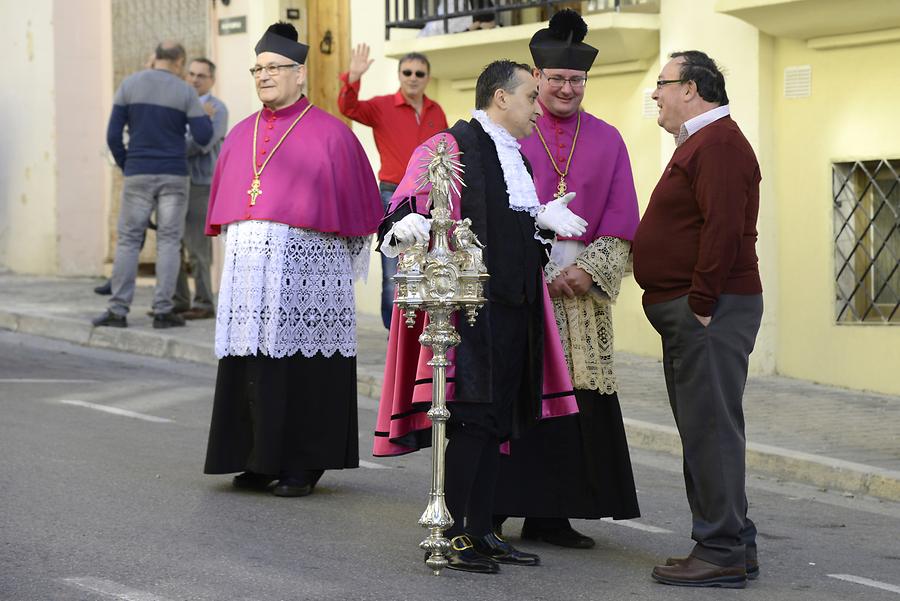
[[867, 241]]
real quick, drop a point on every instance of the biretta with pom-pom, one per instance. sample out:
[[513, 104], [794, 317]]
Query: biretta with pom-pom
[[561, 45], [281, 38]]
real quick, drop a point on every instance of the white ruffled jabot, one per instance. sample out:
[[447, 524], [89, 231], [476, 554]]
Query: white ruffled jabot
[[519, 185]]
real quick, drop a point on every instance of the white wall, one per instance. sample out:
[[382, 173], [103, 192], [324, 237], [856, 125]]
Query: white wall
[[28, 138]]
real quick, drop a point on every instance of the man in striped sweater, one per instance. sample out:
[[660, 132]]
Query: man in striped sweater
[[156, 105]]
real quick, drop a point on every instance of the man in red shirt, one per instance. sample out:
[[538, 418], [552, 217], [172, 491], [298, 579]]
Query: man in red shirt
[[399, 122], [695, 258]]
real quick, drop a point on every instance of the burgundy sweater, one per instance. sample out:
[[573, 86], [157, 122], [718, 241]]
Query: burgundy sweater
[[698, 235]]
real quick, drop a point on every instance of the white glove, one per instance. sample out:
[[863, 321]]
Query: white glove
[[556, 216], [412, 229], [408, 231]]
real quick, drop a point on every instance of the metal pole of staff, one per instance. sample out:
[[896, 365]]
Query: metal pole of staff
[[440, 280]]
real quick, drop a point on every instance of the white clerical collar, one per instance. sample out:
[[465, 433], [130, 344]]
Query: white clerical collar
[[519, 185], [692, 126]]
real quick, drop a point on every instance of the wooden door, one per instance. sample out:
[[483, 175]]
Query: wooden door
[[328, 32]]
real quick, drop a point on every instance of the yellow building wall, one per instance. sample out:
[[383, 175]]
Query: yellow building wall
[[850, 115]]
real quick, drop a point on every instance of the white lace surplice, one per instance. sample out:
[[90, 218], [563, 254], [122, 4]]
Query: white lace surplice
[[286, 290]]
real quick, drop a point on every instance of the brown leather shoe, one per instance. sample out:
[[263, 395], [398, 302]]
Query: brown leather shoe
[[198, 313], [696, 572], [752, 565]]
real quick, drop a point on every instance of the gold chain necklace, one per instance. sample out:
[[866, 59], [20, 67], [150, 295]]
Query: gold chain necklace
[[255, 191], [561, 187]]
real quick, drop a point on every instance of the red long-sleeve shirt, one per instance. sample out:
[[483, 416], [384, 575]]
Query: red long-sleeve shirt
[[395, 125], [698, 235]]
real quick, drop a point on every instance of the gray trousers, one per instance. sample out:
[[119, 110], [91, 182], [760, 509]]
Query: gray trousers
[[705, 370], [141, 195], [198, 247]]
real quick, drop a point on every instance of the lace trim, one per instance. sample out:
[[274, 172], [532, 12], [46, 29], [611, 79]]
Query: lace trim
[[605, 259], [360, 249], [585, 322], [551, 271], [286, 290], [585, 328]]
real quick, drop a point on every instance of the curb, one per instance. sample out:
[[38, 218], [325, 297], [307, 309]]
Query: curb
[[785, 464], [820, 471], [118, 339]]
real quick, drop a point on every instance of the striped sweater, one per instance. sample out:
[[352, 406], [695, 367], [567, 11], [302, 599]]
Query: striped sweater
[[156, 105]]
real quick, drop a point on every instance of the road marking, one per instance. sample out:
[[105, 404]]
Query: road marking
[[117, 411], [637, 526], [163, 398], [866, 582], [45, 381], [112, 589], [373, 466]]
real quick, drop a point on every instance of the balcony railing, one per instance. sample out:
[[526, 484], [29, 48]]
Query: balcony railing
[[416, 14]]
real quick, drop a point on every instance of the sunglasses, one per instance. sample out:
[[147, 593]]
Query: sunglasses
[[419, 74]]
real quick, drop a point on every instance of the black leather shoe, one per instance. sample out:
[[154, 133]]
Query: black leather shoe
[[104, 289], [167, 320], [752, 565], [697, 572], [298, 486], [292, 487], [111, 320], [198, 313], [561, 537], [494, 547], [252, 481], [463, 557]]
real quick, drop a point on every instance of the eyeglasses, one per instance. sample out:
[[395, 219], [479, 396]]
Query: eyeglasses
[[419, 74], [556, 83], [272, 69], [662, 82]]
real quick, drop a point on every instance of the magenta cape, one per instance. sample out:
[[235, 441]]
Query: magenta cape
[[319, 178], [600, 173], [406, 392]]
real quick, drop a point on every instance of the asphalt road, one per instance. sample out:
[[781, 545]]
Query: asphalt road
[[97, 506]]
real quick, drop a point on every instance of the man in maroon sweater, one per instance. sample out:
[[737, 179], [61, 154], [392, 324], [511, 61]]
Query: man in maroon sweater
[[695, 258]]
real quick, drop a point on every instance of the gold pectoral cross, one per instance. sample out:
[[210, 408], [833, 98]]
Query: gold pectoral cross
[[561, 187], [254, 190]]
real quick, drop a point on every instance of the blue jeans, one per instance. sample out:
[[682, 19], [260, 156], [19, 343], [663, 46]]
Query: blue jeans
[[141, 194], [388, 265]]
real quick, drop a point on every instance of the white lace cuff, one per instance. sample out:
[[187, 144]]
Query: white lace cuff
[[604, 260]]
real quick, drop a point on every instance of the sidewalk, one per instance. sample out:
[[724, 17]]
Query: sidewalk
[[797, 431]]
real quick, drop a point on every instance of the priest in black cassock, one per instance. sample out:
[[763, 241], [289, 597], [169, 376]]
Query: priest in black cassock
[[500, 382], [297, 226], [578, 466]]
